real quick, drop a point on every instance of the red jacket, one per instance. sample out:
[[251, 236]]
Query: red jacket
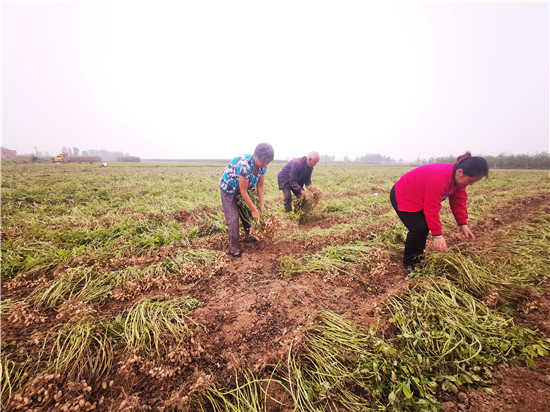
[[425, 187]]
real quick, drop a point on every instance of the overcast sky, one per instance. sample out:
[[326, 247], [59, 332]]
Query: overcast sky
[[211, 79]]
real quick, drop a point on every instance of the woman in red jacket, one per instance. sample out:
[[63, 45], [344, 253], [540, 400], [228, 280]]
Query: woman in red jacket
[[417, 197]]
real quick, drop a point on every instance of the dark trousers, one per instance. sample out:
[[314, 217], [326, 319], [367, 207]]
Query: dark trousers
[[418, 232], [233, 211], [287, 197]]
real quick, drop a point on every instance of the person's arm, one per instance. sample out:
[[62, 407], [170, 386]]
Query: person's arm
[[260, 186], [468, 234], [307, 179], [440, 244], [307, 182], [243, 186], [432, 206], [458, 201]]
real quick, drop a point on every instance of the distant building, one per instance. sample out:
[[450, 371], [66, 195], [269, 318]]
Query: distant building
[[8, 154]]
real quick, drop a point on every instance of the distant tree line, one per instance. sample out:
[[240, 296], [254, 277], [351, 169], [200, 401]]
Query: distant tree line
[[102, 154], [374, 158], [326, 158], [503, 161], [84, 159], [128, 159], [368, 158]]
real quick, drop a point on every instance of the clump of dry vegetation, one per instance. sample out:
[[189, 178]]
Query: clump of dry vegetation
[[267, 225], [305, 204], [305, 207], [342, 259]]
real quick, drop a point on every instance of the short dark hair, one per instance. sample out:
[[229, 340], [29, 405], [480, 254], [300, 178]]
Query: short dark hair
[[472, 166], [264, 152]]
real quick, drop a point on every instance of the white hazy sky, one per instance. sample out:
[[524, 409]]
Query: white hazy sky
[[211, 79]]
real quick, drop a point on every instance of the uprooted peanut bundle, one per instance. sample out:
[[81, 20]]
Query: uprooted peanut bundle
[[308, 203], [267, 225], [304, 207]]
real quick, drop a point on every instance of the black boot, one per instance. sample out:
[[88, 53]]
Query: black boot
[[247, 237], [408, 268], [411, 262]]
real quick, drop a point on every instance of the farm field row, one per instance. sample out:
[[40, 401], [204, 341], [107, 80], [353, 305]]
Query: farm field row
[[117, 292]]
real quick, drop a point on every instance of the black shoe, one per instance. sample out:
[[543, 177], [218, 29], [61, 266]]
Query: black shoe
[[408, 269], [235, 255], [249, 239]]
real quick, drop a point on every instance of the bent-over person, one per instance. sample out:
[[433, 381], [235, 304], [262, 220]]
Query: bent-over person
[[294, 175], [239, 176], [417, 196]]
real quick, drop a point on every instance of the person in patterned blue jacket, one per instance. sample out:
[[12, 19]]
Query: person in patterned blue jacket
[[239, 176]]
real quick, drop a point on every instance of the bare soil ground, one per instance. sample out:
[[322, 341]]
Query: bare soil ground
[[251, 317]]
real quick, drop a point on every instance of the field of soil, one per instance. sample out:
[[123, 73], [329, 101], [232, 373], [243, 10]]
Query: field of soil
[[251, 316]]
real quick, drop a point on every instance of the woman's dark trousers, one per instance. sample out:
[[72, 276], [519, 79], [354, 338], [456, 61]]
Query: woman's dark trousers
[[418, 233]]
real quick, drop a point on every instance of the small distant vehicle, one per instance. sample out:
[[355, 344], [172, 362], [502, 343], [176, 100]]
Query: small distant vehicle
[[61, 158]]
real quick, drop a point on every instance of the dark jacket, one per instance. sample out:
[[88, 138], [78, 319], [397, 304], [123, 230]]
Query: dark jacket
[[295, 174]]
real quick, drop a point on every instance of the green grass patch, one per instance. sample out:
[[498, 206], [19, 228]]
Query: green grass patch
[[150, 326], [456, 337], [342, 259], [249, 394], [478, 275], [14, 374], [85, 349]]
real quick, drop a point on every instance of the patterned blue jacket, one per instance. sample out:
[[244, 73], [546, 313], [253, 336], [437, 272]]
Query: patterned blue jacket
[[241, 166]]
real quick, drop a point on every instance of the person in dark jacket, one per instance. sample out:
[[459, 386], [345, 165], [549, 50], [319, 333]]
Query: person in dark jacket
[[417, 197], [294, 175]]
